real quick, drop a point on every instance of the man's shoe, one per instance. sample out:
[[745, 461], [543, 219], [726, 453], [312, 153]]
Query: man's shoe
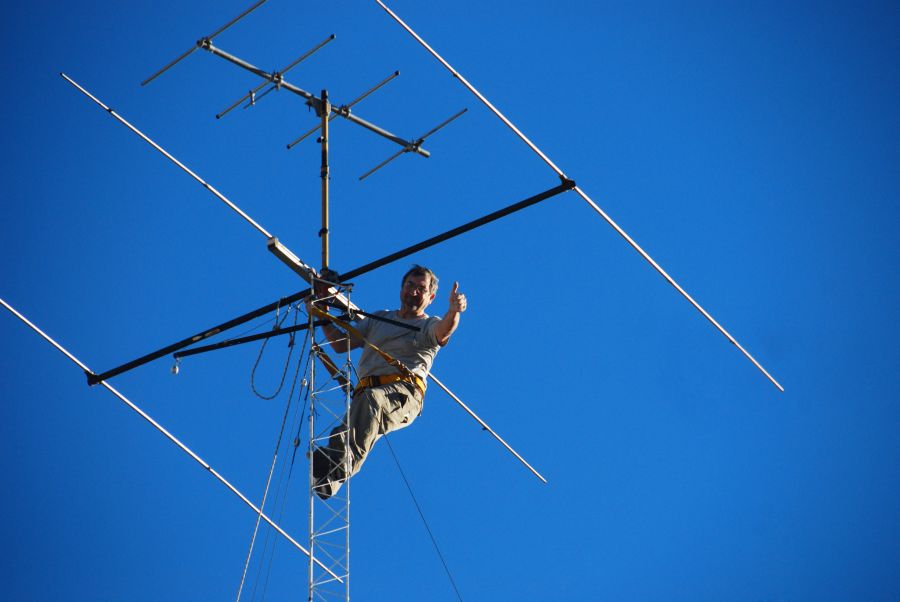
[[321, 464]]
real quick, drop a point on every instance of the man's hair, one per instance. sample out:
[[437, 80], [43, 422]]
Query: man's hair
[[419, 270]]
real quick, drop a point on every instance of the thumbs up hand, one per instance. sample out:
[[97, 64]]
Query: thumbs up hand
[[457, 299]]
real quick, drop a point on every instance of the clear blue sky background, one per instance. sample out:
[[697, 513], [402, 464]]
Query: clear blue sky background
[[753, 151]]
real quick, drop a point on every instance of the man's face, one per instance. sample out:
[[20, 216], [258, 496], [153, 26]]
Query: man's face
[[415, 295]]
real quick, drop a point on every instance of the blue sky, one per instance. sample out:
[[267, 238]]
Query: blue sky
[[752, 151]]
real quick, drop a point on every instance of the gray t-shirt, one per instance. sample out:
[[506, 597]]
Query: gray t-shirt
[[415, 349]]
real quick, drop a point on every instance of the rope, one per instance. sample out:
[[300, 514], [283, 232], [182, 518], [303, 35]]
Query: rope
[[271, 468], [281, 501], [287, 362], [422, 515], [391, 360]]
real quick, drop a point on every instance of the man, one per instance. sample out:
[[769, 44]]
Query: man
[[388, 397]]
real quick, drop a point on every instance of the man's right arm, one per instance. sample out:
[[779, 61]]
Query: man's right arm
[[338, 339]]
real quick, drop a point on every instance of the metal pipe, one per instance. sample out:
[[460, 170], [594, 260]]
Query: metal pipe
[[383, 133], [236, 19], [383, 163], [271, 77], [171, 64], [281, 332], [307, 54], [311, 455], [290, 66], [339, 111], [580, 192], [201, 41], [251, 94], [248, 339], [167, 434], [439, 126], [567, 185], [166, 154], [94, 379], [325, 174], [412, 147], [371, 90]]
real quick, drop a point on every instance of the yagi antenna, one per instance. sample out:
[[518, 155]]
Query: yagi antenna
[[276, 79], [325, 110]]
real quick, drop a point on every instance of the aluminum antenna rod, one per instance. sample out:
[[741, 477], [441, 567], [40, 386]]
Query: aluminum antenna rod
[[168, 435], [198, 44], [187, 170], [252, 93], [343, 109], [413, 146], [580, 192], [486, 427], [274, 245]]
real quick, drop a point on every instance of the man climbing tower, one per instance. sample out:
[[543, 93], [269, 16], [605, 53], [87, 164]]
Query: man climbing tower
[[389, 395]]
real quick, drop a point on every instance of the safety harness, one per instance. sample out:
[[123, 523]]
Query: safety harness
[[405, 374]]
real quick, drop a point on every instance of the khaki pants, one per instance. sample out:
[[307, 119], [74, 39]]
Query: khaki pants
[[374, 412]]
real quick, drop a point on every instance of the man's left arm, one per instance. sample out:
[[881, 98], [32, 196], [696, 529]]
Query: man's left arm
[[448, 324]]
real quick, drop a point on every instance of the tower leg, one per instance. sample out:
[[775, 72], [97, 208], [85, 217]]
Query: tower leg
[[329, 516]]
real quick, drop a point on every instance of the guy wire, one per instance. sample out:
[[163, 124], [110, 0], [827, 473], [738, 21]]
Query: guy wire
[[422, 515], [274, 461], [282, 500]]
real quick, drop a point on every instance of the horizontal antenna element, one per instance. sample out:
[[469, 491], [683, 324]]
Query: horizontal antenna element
[[412, 146], [343, 110], [165, 153], [580, 192], [201, 42], [251, 95], [166, 433], [285, 301]]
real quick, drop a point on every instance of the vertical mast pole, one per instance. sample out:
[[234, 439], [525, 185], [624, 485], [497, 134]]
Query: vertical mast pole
[[325, 110], [311, 389]]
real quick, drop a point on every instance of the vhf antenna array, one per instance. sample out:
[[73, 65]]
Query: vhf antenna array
[[329, 526], [327, 112], [325, 109]]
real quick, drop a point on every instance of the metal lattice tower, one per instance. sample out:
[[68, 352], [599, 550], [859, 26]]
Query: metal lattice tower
[[329, 519]]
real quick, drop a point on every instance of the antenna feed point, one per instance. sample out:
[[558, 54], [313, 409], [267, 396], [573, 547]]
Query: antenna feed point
[[91, 378], [568, 183]]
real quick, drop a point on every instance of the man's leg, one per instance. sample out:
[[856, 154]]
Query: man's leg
[[374, 412]]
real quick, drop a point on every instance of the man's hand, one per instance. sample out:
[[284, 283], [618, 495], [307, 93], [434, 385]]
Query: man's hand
[[457, 299], [321, 288], [450, 321]]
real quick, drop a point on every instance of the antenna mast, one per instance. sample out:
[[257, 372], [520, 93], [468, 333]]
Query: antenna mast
[[329, 517], [325, 112]]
